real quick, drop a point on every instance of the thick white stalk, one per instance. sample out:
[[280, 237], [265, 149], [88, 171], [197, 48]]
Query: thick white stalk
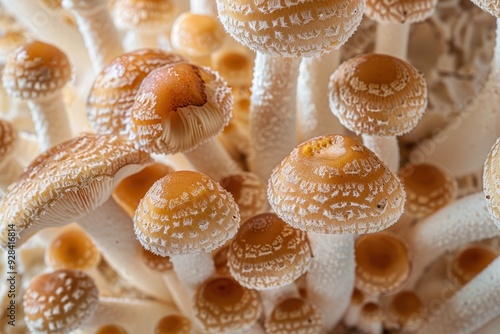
[[193, 269], [205, 7], [271, 298], [460, 223], [392, 39], [314, 116], [330, 279], [386, 149], [50, 120], [112, 231], [273, 132]]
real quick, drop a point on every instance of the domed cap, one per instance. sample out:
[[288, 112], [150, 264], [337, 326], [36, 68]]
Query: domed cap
[[143, 15], [491, 182], [113, 93], [489, 6], [173, 324], [267, 253], [184, 213], [335, 185], [223, 306], [378, 95], [111, 329], [72, 249], [407, 310], [400, 11], [59, 302], [295, 316], [291, 28], [36, 69], [469, 262], [179, 107], [8, 139]]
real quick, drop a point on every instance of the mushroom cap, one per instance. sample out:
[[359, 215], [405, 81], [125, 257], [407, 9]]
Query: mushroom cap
[[185, 212], [295, 316], [8, 139], [197, 35], [267, 253], [113, 92], [335, 185], [235, 65], [378, 95], [179, 107], [173, 324], [407, 308], [382, 262], [67, 181], [111, 329], [470, 261], [428, 188], [489, 6], [491, 182], [59, 302], [144, 15], [9, 42], [36, 69], [223, 306], [72, 249], [304, 28], [156, 262], [400, 11]]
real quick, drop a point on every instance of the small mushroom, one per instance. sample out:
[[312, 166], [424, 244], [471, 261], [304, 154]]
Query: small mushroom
[[173, 324], [371, 319], [295, 316], [406, 310], [351, 316], [470, 261]]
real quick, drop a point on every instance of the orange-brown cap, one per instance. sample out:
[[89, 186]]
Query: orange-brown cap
[[8, 138], [156, 262], [335, 185], [223, 306], [407, 309], [470, 261], [400, 11], [378, 95], [179, 107], [267, 253], [59, 302], [113, 93], [235, 65], [428, 188], [295, 316], [173, 324], [144, 15], [291, 28], [72, 249], [111, 329], [491, 182], [36, 69], [185, 212]]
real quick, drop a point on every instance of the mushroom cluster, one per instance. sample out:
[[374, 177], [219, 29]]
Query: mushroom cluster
[[210, 166]]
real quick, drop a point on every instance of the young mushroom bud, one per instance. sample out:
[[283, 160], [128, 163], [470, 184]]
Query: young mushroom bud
[[371, 319], [406, 310], [173, 324], [469, 262], [295, 316]]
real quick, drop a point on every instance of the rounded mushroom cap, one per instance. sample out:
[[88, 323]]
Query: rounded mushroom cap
[[144, 15], [407, 308], [491, 182], [489, 6], [8, 139], [291, 28], [294, 316], [111, 329], [156, 262], [113, 93], [184, 213], [471, 261], [400, 11], [67, 181], [179, 107], [36, 69], [378, 95], [235, 65], [173, 324], [197, 35], [59, 302], [267, 253], [223, 306], [335, 185], [428, 188], [72, 249], [382, 262]]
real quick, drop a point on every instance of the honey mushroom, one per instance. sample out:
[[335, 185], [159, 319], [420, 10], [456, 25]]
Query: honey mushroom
[[73, 181], [371, 319], [405, 312], [333, 187], [173, 324], [37, 72], [10, 167], [470, 261], [281, 33], [379, 97], [294, 316]]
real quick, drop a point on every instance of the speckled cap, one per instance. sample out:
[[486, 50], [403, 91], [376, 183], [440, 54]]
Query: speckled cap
[[400, 11]]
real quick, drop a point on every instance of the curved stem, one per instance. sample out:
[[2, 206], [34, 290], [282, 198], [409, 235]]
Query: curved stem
[[386, 148]]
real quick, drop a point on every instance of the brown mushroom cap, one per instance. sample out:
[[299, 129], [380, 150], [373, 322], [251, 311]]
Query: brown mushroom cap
[[291, 28], [223, 306], [173, 324], [267, 253], [184, 213], [378, 95], [235, 65], [179, 107], [113, 93], [111, 329], [491, 181], [489, 6], [469, 262], [400, 11], [407, 308], [294, 316], [36, 69], [143, 15], [334, 185], [59, 302], [8, 138], [73, 249], [156, 262]]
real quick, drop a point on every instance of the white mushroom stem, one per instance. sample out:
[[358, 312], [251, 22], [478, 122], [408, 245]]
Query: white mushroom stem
[[460, 223], [386, 149], [50, 120], [273, 112], [112, 231], [314, 116], [330, 279], [98, 30], [392, 39], [205, 7], [193, 269], [477, 303], [10, 169], [271, 298]]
